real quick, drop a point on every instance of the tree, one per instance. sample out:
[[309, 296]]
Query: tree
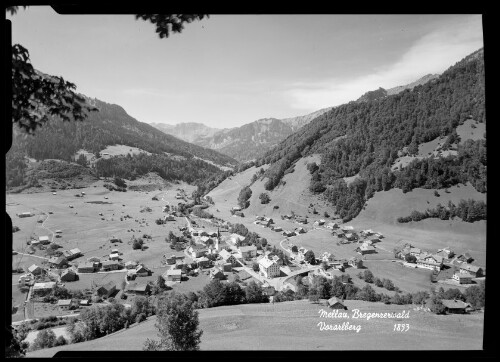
[[435, 305], [60, 341], [177, 325], [264, 198], [36, 97], [410, 258], [82, 160], [15, 345], [170, 23], [46, 338], [255, 267], [368, 276], [388, 284], [253, 293], [309, 257], [119, 182], [295, 249]]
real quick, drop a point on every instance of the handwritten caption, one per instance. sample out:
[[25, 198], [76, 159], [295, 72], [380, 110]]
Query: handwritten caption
[[357, 314]]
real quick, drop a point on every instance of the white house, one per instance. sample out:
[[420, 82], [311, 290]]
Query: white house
[[248, 251], [269, 268]]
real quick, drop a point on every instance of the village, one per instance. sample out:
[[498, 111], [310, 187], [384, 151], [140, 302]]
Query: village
[[207, 250]]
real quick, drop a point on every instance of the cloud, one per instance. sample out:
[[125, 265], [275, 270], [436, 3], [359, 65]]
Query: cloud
[[432, 53]]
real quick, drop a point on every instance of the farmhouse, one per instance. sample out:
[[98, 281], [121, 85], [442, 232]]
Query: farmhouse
[[139, 288], [335, 303], [203, 262], [25, 279], [85, 302], [338, 265], [93, 259], [68, 276], [239, 213], [463, 278], [455, 306], [226, 267], [171, 259], [58, 262], [301, 220], [35, 269], [269, 268], [466, 258], [350, 236], [347, 228], [332, 225], [64, 303], [473, 270], [365, 249], [277, 228], [142, 271], [197, 251], [130, 264], [107, 289], [43, 287], [110, 265], [300, 230], [248, 251], [428, 261], [25, 214], [216, 273], [86, 268], [367, 232], [289, 233], [172, 275], [326, 257], [169, 217], [415, 251], [72, 254], [229, 258], [44, 239], [356, 263], [233, 238], [236, 208]]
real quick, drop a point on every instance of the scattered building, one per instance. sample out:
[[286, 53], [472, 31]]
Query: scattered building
[[110, 265], [365, 249], [474, 270], [197, 251], [130, 264], [35, 269], [172, 275], [463, 278], [25, 214], [300, 230], [356, 263], [332, 225], [86, 268], [248, 251], [44, 240], [58, 262], [68, 276], [217, 273], [138, 288], [43, 287], [64, 303], [142, 271], [335, 303], [107, 289], [455, 306]]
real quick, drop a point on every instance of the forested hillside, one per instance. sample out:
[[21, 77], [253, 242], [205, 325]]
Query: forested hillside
[[111, 125], [365, 138]]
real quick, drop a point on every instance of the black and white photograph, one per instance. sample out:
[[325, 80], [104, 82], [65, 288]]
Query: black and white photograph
[[244, 182]]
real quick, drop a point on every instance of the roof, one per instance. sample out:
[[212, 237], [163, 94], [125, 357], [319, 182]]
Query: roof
[[202, 259], [109, 262], [454, 304], [76, 251], [68, 271], [415, 250], [225, 254], [43, 238], [237, 236], [366, 247], [198, 247], [266, 263], [63, 302], [334, 300], [33, 268], [58, 260], [85, 265], [469, 267], [109, 285], [130, 262], [463, 275], [173, 272], [248, 248], [140, 287], [47, 285]]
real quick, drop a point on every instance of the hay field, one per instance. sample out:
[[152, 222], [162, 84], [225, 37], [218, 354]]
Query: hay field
[[294, 326]]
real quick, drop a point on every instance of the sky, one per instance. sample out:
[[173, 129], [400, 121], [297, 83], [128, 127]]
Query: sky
[[229, 70]]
